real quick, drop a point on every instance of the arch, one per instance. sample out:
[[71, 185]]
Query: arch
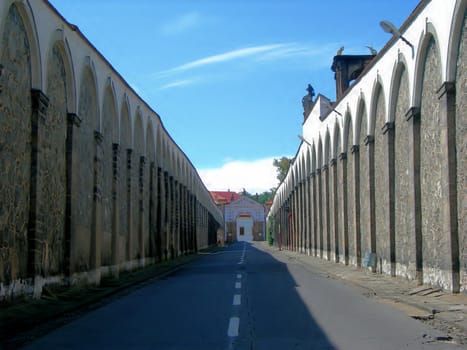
[[425, 40], [361, 119], [404, 249], [150, 142], [319, 154], [88, 107], [335, 140], [29, 26], [327, 153], [138, 133], [59, 42], [110, 112], [377, 92], [84, 150], [15, 143], [399, 67], [346, 132], [109, 131], [434, 246]]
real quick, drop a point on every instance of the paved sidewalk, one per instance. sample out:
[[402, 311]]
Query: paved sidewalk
[[440, 309]]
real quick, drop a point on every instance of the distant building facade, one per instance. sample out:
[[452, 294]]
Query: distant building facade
[[245, 219]]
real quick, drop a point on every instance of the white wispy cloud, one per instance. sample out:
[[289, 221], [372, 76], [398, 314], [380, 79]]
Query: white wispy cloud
[[181, 24], [256, 53], [224, 57], [255, 176], [177, 83]]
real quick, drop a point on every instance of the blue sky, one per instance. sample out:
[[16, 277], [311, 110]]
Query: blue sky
[[227, 77]]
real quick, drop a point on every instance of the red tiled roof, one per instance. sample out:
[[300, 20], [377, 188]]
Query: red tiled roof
[[224, 197]]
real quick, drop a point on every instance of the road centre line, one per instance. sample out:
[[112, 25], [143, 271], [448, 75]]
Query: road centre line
[[237, 299], [232, 331], [238, 285]]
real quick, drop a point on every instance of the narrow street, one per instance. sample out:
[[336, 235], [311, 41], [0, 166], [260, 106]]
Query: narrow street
[[243, 298]]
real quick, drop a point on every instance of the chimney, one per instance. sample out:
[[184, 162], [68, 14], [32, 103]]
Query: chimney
[[346, 69]]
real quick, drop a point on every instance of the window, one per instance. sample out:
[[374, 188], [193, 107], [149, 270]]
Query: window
[[242, 231]]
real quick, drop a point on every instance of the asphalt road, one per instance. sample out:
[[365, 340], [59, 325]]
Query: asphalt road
[[243, 298]]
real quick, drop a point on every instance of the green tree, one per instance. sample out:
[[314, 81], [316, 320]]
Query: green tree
[[282, 167]]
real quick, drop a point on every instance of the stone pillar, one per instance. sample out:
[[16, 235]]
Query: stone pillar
[[314, 215], [161, 214], [308, 217], [73, 122], [320, 215], [358, 233], [389, 132], [177, 213], [40, 103], [97, 220], [152, 209], [171, 214], [141, 211], [115, 212], [335, 210], [370, 143], [300, 210], [415, 212], [447, 97], [166, 215], [345, 217], [326, 216], [129, 243]]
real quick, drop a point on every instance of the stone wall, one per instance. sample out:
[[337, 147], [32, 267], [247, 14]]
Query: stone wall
[[401, 187], [86, 186], [15, 148], [461, 142]]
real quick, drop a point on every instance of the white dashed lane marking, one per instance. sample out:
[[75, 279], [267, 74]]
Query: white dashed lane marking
[[238, 285], [232, 331], [237, 299]]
